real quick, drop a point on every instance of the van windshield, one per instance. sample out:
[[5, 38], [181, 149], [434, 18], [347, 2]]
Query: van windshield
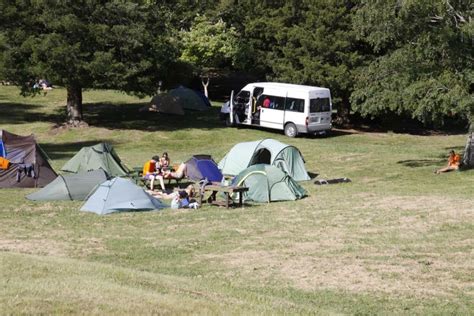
[[242, 97], [319, 105]]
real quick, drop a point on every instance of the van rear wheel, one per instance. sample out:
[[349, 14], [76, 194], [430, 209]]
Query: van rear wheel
[[291, 130]]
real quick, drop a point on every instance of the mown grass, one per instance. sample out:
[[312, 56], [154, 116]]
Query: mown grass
[[397, 240]]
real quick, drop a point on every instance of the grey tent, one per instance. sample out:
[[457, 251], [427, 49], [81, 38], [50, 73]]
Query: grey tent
[[118, 195], [100, 156], [468, 157], [70, 186], [268, 151], [28, 167], [268, 183]]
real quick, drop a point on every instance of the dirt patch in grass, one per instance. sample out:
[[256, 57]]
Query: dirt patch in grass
[[391, 275], [34, 246], [396, 245]]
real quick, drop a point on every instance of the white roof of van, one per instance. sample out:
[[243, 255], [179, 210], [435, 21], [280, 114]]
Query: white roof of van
[[287, 86]]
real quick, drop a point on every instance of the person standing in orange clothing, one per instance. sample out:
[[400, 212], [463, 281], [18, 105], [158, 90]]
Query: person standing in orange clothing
[[454, 161]]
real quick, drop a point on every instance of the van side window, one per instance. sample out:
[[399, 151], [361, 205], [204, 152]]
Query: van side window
[[277, 103], [295, 105], [319, 105]]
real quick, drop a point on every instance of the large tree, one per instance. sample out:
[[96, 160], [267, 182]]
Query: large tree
[[208, 45], [300, 41], [423, 59], [84, 44]]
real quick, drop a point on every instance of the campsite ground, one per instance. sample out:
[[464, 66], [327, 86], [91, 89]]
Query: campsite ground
[[397, 240]]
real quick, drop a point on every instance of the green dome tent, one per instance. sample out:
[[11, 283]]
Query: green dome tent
[[268, 183], [189, 99], [119, 195], [70, 186], [100, 156], [177, 100], [165, 103], [268, 151]]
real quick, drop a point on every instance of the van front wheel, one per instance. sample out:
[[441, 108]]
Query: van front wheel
[[290, 130]]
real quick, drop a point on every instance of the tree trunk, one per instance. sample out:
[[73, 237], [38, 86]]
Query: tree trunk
[[74, 104]]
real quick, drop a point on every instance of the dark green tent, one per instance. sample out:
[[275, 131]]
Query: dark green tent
[[268, 183], [100, 156], [70, 186]]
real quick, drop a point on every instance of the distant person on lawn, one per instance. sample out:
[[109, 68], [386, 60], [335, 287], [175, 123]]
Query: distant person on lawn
[[152, 171], [454, 161]]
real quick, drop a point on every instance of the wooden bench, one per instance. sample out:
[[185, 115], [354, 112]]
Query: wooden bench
[[137, 177], [227, 190]]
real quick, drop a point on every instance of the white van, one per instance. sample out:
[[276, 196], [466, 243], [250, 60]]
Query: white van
[[289, 107]]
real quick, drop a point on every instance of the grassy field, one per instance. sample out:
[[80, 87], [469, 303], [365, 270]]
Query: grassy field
[[397, 240]]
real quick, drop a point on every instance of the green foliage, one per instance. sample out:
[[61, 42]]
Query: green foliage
[[116, 44], [209, 44], [423, 59]]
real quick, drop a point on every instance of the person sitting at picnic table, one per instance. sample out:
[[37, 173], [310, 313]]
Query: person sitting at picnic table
[[152, 171], [165, 161], [454, 161], [178, 174]]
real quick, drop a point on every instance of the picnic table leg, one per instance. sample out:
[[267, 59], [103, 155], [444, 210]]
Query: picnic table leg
[[227, 199], [240, 199]]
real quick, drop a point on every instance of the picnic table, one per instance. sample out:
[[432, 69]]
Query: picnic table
[[228, 190]]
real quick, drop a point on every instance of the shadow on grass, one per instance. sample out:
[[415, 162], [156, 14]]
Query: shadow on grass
[[422, 163], [67, 150], [20, 113], [113, 116], [457, 149], [129, 116]]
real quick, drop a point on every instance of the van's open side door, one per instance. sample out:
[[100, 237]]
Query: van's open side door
[[231, 114]]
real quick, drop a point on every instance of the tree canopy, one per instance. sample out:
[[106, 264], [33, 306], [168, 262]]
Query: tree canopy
[[83, 44], [410, 58], [422, 61]]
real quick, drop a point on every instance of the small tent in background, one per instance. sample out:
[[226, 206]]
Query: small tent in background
[[268, 151], [100, 156], [203, 167], [120, 195], [177, 100], [29, 166], [75, 186], [189, 99], [268, 183], [468, 157], [203, 97], [165, 103]]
